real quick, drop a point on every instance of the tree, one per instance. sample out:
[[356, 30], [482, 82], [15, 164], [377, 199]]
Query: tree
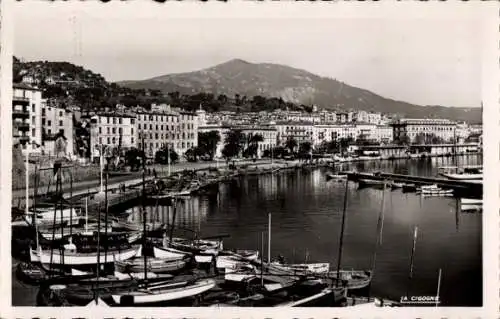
[[253, 145], [161, 156], [305, 150], [191, 154], [207, 143], [291, 144], [133, 158], [60, 144], [233, 144]]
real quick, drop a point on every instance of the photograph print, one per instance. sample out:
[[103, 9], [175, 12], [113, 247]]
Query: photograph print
[[243, 159]]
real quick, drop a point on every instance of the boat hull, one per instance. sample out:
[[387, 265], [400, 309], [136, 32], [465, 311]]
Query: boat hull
[[76, 259]]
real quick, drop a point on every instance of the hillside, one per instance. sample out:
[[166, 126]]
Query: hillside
[[238, 77]]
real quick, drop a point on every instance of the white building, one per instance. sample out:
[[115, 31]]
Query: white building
[[26, 116], [112, 130], [300, 131], [411, 128], [268, 133], [56, 120]]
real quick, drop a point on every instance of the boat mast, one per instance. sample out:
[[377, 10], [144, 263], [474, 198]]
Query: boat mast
[[342, 230], [380, 227], [438, 288], [410, 277], [35, 193], [144, 214], [106, 207], [269, 240]]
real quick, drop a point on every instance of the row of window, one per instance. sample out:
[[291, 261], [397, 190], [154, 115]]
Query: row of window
[[164, 118], [156, 146], [114, 120], [112, 130], [49, 122], [113, 140], [167, 136], [189, 126]]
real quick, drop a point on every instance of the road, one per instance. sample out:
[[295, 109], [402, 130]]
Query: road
[[134, 178]]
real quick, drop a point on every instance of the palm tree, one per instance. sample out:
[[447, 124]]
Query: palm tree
[[291, 144]]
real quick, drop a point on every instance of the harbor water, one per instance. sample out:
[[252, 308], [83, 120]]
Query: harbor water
[[306, 212]]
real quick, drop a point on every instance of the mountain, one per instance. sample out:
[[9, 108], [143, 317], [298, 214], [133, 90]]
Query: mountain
[[293, 85]]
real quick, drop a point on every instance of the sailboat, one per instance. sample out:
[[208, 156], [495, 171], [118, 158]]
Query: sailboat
[[161, 292]]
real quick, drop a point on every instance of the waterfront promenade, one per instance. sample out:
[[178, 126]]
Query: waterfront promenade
[[92, 186]]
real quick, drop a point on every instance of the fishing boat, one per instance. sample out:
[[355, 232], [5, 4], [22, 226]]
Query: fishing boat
[[75, 258], [155, 265], [464, 174], [470, 204], [47, 218], [332, 176], [162, 293], [232, 261], [131, 226], [305, 269], [205, 251], [354, 279]]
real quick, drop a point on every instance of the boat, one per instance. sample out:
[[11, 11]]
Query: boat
[[372, 183], [131, 226], [372, 303], [409, 188], [155, 265], [167, 252], [74, 258], [395, 185], [229, 260], [473, 173], [335, 176], [354, 279], [434, 191], [162, 293], [46, 218], [305, 269], [205, 251], [470, 204]]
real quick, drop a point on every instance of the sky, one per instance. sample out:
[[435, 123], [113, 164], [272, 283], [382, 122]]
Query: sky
[[424, 57]]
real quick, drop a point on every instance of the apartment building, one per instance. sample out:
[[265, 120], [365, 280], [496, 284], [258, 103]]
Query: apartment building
[[112, 130], [269, 135], [56, 120], [411, 128], [26, 117], [300, 131]]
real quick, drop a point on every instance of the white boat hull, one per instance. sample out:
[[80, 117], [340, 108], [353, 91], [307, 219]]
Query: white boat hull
[[165, 253], [169, 294], [71, 258], [463, 177]]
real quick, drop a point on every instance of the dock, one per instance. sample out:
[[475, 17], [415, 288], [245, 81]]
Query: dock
[[470, 189]]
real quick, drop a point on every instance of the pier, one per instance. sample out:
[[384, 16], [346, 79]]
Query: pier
[[473, 189]]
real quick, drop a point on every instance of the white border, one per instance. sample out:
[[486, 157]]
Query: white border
[[237, 9]]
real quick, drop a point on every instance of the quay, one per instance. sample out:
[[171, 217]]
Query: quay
[[472, 189]]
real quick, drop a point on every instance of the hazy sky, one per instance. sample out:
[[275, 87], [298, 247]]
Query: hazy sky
[[425, 58]]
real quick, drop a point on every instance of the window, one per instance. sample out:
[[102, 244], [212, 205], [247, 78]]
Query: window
[[150, 126], [120, 131], [49, 132], [157, 127], [100, 130], [33, 120], [132, 121], [43, 121], [100, 140], [132, 131], [107, 129], [156, 135], [132, 140], [49, 122], [114, 120], [161, 127], [120, 120], [114, 130], [108, 140], [113, 140], [33, 132], [60, 123], [33, 108], [60, 113]]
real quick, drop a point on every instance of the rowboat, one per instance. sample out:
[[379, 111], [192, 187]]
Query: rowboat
[[205, 251], [354, 279], [230, 260], [74, 258], [162, 293], [305, 269], [47, 218], [372, 183], [167, 252], [155, 265], [335, 176], [469, 204]]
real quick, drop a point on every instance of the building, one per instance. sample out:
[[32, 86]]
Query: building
[[26, 116], [112, 130], [435, 129], [300, 131], [269, 135], [222, 129], [383, 134], [163, 127], [56, 120]]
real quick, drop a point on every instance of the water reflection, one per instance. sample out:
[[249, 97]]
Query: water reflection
[[306, 212]]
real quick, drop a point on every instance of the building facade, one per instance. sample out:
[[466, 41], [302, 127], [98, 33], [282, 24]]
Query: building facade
[[300, 131], [112, 130], [410, 129], [26, 117], [57, 120]]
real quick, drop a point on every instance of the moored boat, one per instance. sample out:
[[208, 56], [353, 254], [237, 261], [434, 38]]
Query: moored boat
[[74, 258], [470, 204], [354, 279], [155, 265]]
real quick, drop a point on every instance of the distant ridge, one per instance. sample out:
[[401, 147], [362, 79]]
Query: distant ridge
[[293, 85]]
